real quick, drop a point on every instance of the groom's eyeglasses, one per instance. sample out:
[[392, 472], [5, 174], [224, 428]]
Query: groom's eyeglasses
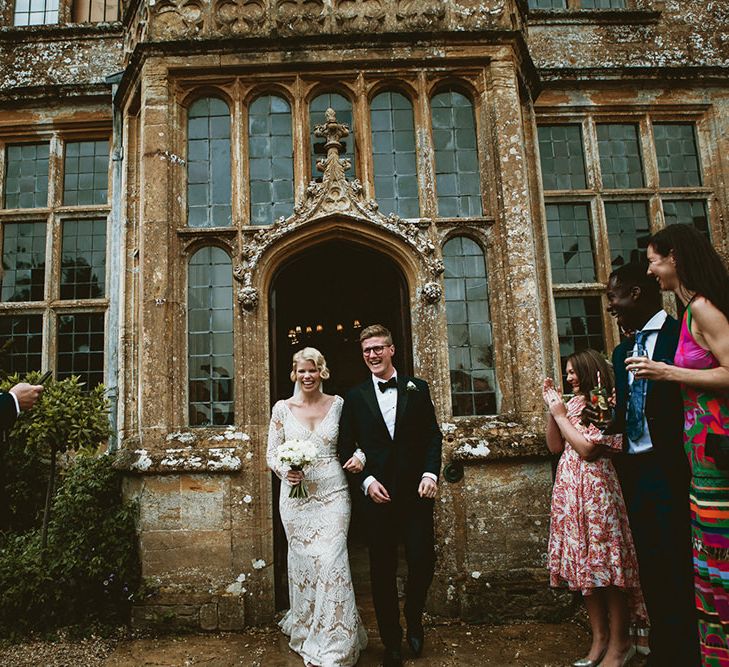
[[375, 349]]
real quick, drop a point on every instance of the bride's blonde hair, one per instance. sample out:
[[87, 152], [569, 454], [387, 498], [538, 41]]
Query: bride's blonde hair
[[313, 355]]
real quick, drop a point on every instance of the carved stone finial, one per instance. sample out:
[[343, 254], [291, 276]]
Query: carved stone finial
[[332, 131], [432, 292], [248, 297]]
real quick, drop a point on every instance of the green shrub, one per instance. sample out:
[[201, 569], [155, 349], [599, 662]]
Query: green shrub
[[90, 569], [65, 418]]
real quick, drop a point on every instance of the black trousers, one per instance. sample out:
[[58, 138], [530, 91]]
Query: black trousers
[[656, 497], [411, 523]]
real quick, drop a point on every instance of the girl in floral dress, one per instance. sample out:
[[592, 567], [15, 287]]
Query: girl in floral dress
[[590, 545]]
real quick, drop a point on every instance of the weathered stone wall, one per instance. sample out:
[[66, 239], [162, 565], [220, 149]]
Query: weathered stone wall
[[43, 62], [200, 536], [675, 34]]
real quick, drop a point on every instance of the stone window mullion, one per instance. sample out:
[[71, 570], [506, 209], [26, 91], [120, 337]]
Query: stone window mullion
[[55, 171], [361, 111], [300, 133], [53, 258], [425, 150], [240, 205], [592, 154], [650, 164]]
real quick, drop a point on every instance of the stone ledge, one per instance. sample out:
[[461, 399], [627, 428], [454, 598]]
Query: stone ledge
[[203, 450], [476, 441], [620, 17]]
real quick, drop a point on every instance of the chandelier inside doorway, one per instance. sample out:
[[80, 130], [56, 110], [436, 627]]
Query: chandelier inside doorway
[[310, 333]]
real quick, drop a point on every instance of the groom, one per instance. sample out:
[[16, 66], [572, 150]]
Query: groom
[[392, 419]]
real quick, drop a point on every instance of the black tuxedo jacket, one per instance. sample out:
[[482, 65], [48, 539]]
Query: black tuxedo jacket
[[663, 403], [398, 463], [8, 411]]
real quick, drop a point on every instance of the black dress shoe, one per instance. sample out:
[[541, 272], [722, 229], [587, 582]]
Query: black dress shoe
[[392, 658], [416, 639]]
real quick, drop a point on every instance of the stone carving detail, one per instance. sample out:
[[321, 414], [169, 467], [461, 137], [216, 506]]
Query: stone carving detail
[[177, 18], [335, 195], [166, 20], [476, 14], [360, 15], [137, 31], [432, 292], [248, 297], [300, 17], [421, 14], [240, 17]]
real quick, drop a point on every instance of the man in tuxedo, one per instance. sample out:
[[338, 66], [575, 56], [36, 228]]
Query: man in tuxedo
[[392, 419], [653, 469], [21, 396]]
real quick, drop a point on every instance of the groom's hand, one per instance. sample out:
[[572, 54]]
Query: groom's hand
[[378, 493], [428, 488]]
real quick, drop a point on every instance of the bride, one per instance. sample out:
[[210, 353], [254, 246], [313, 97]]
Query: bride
[[323, 623]]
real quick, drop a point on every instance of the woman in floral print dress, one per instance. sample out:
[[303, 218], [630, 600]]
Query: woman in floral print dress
[[590, 545]]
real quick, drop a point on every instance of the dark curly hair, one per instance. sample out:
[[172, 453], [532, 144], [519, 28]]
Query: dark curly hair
[[699, 267]]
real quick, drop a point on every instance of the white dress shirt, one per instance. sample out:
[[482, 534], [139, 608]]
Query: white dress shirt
[[17, 405], [387, 401], [652, 327]]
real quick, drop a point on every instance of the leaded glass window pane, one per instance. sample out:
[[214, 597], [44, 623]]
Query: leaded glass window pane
[[628, 231], [570, 243], [36, 12], [620, 161], [271, 164], [687, 211], [678, 159], [210, 338], [208, 164], [457, 177], [83, 263], [547, 4], [603, 4], [579, 325], [95, 11], [20, 343], [470, 341], [343, 107], [26, 176], [86, 173], [393, 155], [81, 347], [562, 157], [24, 261]]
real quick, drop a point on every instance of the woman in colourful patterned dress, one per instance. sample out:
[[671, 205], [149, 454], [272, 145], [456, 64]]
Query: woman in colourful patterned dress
[[683, 261], [590, 545]]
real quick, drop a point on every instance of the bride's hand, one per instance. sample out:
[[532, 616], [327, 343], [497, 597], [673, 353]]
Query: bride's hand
[[294, 477], [353, 465]]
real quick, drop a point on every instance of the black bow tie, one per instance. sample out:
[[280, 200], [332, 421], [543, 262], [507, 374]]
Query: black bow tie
[[391, 383]]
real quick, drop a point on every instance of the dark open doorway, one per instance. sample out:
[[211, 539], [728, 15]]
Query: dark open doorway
[[322, 298]]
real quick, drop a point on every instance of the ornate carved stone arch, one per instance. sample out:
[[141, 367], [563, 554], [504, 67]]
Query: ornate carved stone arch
[[336, 198]]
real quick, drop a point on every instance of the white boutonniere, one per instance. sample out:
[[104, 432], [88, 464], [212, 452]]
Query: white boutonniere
[[410, 386]]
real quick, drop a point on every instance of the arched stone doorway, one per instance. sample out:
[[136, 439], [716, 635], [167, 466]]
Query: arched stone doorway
[[322, 297]]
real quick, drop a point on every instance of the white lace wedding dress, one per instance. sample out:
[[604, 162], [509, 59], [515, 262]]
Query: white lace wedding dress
[[323, 622]]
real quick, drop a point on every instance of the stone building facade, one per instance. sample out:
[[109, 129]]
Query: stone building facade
[[193, 189]]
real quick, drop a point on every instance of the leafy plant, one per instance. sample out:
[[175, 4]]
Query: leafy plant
[[65, 418], [89, 570]]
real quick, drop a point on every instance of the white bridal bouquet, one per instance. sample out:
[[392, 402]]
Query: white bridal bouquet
[[297, 454]]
